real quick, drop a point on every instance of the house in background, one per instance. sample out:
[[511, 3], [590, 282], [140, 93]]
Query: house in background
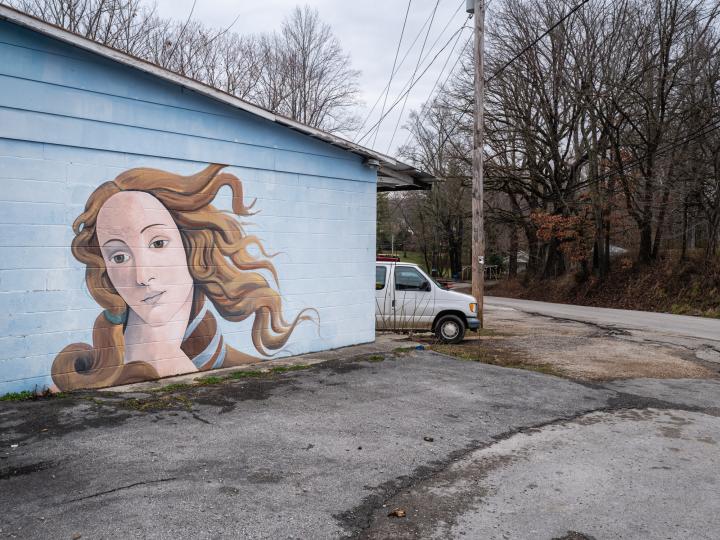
[[168, 268]]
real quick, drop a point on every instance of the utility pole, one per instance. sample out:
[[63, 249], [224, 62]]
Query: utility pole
[[478, 220]]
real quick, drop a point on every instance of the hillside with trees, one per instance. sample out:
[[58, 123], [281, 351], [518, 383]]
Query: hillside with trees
[[602, 148]]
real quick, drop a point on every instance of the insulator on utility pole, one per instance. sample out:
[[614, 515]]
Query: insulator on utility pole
[[478, 226]]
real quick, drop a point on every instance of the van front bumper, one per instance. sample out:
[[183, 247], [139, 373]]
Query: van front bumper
[[473, 323]]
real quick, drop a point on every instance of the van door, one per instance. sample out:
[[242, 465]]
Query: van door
[[414, 299], [383, 297]]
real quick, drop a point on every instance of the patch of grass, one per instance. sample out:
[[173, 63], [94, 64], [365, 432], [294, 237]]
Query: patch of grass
[[680, 309], [237, 375], [494, 356], [157, 404], [18, 396], [403, 349], [29, 394], [414, 257], [212, 379], [248, 374], [175, 387], [375, 358], [488, 332], [284, 369]]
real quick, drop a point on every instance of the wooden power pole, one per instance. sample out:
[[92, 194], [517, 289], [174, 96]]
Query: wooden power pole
[[478, 223]]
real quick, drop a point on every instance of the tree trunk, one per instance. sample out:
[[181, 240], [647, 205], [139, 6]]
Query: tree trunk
[[606, 247], [660, 228], [600, 256], [554, 261], [645, 253], [455, 253], [513, 258], [533, 253], [683, 249]]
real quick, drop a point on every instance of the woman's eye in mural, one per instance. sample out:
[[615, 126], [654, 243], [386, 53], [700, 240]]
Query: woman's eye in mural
[[159, 243], [120, 258]]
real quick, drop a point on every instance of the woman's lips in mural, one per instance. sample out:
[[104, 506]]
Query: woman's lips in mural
[[153, 298]]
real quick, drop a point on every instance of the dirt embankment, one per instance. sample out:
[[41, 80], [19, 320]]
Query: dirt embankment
[[688, 288]]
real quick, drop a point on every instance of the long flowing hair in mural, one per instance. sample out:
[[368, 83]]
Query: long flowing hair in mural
[[223, 271]]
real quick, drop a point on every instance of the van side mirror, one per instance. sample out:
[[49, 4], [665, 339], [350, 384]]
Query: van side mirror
[[425, 286]]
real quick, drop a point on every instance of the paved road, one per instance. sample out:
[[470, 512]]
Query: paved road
[[328, 452], [674, 325]]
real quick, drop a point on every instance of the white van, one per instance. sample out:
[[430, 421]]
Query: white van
[[406, 298]]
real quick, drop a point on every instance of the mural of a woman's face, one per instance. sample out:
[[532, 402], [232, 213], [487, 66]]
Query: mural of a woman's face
[[144, 256]]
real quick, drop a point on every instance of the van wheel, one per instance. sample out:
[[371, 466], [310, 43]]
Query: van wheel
[[450, 329]]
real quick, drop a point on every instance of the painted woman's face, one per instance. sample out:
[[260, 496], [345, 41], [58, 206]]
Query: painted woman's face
[[144, 256]]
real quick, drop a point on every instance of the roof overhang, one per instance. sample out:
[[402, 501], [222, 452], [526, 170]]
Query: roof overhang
[[399, 179], [393, 175]]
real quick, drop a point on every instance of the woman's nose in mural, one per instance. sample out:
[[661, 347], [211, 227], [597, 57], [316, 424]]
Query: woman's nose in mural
[[144, 273]]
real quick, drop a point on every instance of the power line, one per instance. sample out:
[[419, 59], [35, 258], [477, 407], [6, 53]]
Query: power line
[[441, 70], [536, 41], [225, 31], [397, 101], [412, 77], [392, 71], [425, 109], [387, 87], [708, 128], [402, 61], [519, 54]]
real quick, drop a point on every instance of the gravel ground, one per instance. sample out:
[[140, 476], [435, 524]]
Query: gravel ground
[[597, 352]]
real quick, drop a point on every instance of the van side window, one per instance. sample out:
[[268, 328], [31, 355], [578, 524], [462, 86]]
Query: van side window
[[409, 279], [380, 276]]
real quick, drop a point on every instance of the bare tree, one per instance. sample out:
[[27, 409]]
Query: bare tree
[[605, 129], [321, 88], [300, 72]]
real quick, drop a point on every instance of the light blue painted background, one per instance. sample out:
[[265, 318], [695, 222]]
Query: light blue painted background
[[70, 120]]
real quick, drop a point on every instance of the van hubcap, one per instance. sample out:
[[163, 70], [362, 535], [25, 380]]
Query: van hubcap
[[450, 330]]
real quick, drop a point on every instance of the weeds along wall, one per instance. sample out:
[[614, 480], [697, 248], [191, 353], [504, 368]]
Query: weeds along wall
[[148, 230]]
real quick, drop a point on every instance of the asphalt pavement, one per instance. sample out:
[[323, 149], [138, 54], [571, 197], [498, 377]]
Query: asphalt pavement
[[703, 328], [330, 451]]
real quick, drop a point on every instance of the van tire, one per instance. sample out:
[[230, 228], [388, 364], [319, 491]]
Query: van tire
[[450, 329]]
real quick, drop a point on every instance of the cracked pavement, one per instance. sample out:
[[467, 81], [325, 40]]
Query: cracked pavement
[[467, 450]]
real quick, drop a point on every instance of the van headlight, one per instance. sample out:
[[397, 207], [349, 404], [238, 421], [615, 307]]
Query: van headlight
[[473, 308]]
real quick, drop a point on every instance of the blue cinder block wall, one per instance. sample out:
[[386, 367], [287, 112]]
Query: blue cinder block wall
[[71, 120]]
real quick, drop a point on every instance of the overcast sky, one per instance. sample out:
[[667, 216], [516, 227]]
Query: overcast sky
[[369, 31]]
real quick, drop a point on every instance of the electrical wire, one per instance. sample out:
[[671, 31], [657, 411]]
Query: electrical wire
[[387, 87], [412, 77], [397, 101], [425, 110], [402, 61], [519, 54], [441, 70], [392, 71], [708, 128], [536, 41], [705, 130]]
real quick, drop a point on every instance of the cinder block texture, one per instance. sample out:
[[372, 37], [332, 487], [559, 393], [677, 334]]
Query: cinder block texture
[[71, 121]]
